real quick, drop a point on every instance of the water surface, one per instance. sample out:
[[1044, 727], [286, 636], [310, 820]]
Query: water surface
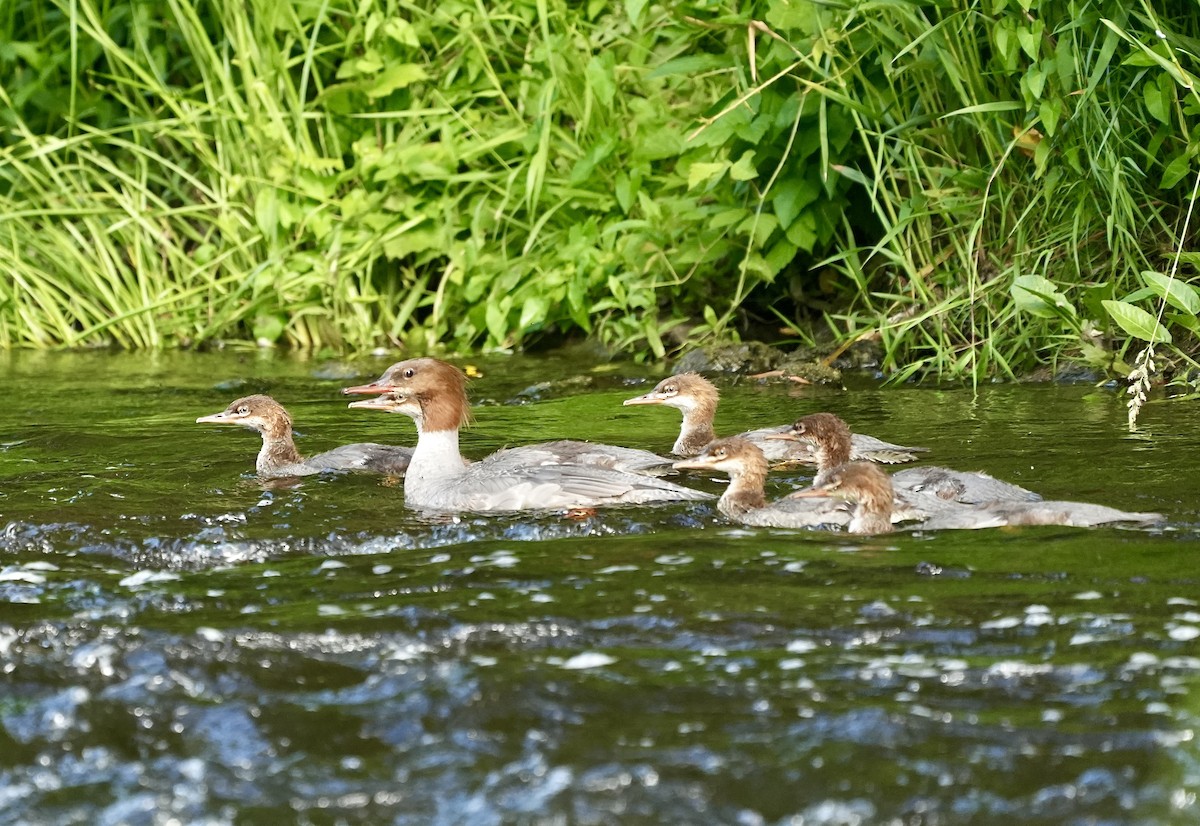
[[181, 643]]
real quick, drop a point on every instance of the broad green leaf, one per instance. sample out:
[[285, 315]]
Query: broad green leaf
[[779, 256], [744, 169], [1137, 322], [268, 327], [633, 10], [1158, 103], [1039, 297], [1179, 295], [401, 31], [533, 312], [1176, 170], [702, 172], [600, 76], [395, 77], [791, 195], [1030, 39]]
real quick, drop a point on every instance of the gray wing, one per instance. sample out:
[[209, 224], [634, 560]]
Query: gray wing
[[869, 449], [970, 487], [497, 484], [1076, 514], [778, 450], [800, 513], [574, 452], [364, 456]]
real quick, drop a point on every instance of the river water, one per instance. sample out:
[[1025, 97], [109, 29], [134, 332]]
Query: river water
[[182, 644]]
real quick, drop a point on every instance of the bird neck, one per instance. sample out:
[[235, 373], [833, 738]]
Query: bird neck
[[278, 450], [697, 430], [745, 492]]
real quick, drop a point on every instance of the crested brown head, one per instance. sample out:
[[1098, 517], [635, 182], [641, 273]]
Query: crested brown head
[[826, 432], [686, 392], [440, 389], [859, 482], [257, 412]]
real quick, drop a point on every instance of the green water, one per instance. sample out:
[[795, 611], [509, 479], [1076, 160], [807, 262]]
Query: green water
[[181, 644]]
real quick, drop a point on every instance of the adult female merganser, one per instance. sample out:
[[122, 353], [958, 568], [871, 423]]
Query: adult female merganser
[[831, 441], [697, 397], [434, 394], [871, 490], [559, 452], [279, 458], [745, 501]]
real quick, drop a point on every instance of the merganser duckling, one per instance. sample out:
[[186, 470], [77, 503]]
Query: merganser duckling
[[831, 440], [744, 500], [871, 490], [697, 397], [433, 393], [279, 458], [559, 452]]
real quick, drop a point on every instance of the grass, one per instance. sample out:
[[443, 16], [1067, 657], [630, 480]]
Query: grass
[[980, 188]]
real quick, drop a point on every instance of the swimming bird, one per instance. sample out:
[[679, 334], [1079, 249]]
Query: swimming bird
[[279, 457], [745, 501], [832, 441], [697, 398], [433, 393], [871, 491], [558, 452]]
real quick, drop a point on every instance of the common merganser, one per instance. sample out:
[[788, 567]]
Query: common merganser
[[871, 490], [279, 458], [558, 452], [831, 440], [433, 393], [697, 398], [745, 500]]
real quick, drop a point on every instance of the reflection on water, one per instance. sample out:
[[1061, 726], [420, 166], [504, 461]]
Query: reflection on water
[[180, 643]]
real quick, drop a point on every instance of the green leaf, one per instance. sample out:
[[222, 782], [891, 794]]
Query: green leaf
[[1176, 170], [1030, 40], [600, 76], [699, 173], [1137, 322], [268, 327], [402, 32], [1039, 297], [633, 10], [395, 77], [1158, 103], [791, 195], [779, 256], [691, 65], [744, 169], [533, 312], [1179, 295]]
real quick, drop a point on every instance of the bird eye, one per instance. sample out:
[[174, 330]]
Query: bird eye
[[243, 410], [671, 389], [409, 373], [800, 428], [721, 453]]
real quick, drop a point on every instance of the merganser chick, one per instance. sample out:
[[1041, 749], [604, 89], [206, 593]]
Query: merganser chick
[[279, 458], [559, 452], [697, 398], [871, 490], [864, 484], [745, 501], [831, 439], [433, 393]]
